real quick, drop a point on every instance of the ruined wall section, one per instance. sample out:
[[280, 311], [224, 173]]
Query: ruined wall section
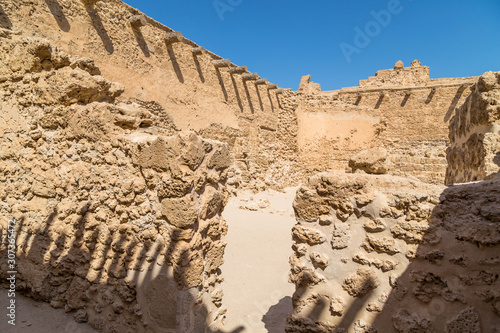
[[200, 90], [400, 109], [118, 220], [331, 131], [388, 254], [474, 132]]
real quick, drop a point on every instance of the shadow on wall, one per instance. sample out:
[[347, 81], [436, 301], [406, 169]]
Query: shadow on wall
[[270, 100], [58, 14], [349, 316], [429, 266], [198, 68], [430, 96], [67, 262], [405, 100], [99, 27], [358, 100], [451, 283], [237, 93], [248, 97], [258, 96], [322, 305], [4, 20], [139, 37], [496, 160], [379, 102], [278, 100], [453, 105]]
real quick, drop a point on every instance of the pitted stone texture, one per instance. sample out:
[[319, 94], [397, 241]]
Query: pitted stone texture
[[466, 321], [404, 322], [370, 161], [406, 245], [117, 211]]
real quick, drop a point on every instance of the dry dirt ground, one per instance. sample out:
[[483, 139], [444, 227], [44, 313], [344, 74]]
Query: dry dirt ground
[[256, 289]]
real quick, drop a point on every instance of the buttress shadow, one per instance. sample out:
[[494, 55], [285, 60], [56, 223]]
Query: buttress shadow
[[260, 99], [58, 14], [139, 37], [453, 104], [198, 68], [99, 27], [237, 93], [249, 99], [270, 100], [175, 64], [4, 20]]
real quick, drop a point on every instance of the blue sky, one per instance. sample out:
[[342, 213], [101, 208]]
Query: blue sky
[[339, 42]]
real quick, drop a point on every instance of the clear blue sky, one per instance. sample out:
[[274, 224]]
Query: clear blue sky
[[284, 40]]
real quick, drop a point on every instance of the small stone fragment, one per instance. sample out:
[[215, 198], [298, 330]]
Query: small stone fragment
[[340, 236], [337, 305], [308, 235], [319, 260], [360, 283]]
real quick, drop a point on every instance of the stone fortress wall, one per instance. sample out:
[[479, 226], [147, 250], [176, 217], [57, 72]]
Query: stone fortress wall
[[118, 208], [400, 109], [380, 253], [196, 88], [278, 137], [111, 213]]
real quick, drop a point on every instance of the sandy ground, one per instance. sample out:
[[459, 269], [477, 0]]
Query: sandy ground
[[38, 317], [256, 289]]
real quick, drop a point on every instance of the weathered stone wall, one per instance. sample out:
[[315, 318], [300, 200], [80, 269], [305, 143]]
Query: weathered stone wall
[[388, 254], [200, 90], [400, 109], [220, 100], [118, 215], [474, 152]]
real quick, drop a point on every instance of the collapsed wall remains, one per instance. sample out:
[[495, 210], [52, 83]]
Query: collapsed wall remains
[[387, 254]]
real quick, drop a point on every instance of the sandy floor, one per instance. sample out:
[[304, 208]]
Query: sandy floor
[[38, 317], [256, 289]]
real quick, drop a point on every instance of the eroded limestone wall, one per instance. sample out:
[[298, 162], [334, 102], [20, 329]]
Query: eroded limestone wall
[[400, 109], [223, 101], [117, 215], [474, 152], [199, 90], [388, 254]]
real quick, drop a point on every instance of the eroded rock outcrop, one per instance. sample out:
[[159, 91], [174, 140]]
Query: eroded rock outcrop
[[117, 215], [403, 256]]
